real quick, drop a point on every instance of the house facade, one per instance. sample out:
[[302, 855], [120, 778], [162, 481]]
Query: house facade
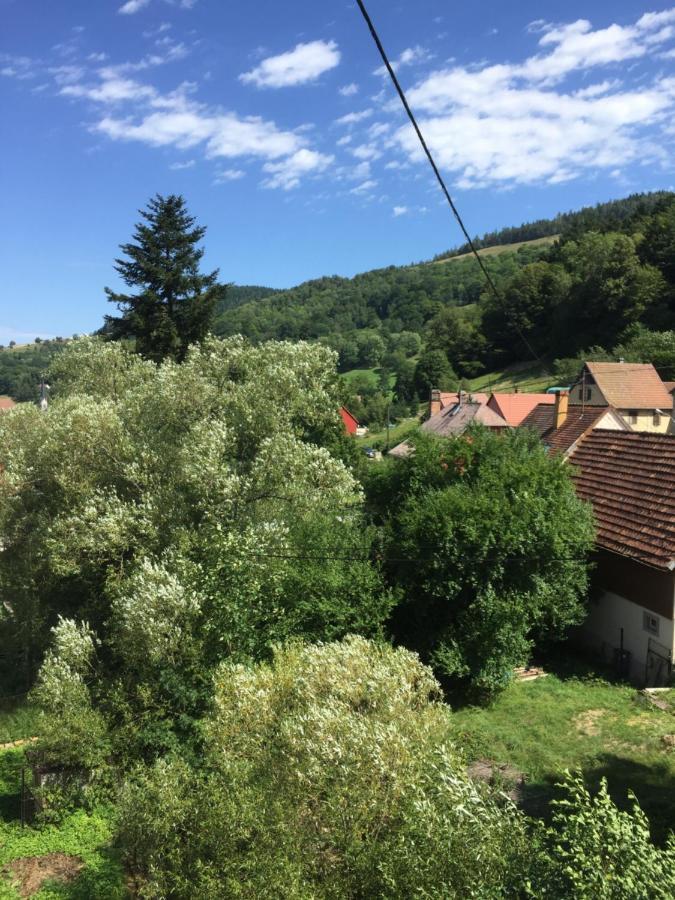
[[629, 478]]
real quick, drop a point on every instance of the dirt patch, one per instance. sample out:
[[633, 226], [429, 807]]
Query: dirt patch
[[10, 745], [668, 741], [508, 779], [587, 721], [30, 873]]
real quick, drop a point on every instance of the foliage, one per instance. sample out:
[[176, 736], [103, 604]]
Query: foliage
[[176, 304], [488, 541], [328, 774], [22, 368], [433, 371], [188, 514], [598, 852]]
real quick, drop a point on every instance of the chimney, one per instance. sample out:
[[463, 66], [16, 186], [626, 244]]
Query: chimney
[[562, 399], [435, 403]]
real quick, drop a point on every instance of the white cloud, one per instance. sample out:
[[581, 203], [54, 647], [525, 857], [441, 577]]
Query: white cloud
[[229, 175], [400, 211], [348, 90], [365, 187], [510, 123], [305, 63], [177, 166], [366, 151], [111, 90], [354, 117], [132, 6], [287, 173], [344, 140], [409, 57]]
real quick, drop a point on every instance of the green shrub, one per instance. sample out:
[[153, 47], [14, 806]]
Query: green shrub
[[328, 774]]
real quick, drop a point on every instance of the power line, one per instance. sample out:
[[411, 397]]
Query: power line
[[438, 175]]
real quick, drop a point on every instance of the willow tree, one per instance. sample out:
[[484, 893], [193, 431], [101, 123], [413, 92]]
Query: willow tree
[[175, 303]]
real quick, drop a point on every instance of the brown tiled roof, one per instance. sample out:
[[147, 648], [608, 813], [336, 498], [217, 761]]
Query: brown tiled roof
[[514, 407], [579, 420], [7, 403], [629, 477], [630, 385], [450, 399], [454, 420]]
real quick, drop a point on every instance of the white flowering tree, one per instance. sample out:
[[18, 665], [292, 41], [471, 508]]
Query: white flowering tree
[[189, 513]]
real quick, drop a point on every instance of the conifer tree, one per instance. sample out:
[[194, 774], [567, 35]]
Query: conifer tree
[[175, 305]]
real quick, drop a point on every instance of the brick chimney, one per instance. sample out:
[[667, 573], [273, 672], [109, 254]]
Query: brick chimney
[[435, 403], [562, 399]]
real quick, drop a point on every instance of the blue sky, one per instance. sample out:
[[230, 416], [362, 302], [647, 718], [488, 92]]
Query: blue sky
[[274, 121]]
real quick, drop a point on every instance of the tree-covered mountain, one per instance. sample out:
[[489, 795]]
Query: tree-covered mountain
[[614, 215], [610, 270]]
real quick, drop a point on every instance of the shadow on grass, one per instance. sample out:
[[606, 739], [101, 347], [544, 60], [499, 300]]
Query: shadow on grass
[[10, 785], [653, 785]]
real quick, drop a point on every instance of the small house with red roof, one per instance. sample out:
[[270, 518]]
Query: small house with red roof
[[350, 422]]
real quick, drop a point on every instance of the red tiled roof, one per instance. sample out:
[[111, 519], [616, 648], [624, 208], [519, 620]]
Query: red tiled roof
[[514, 407], [579, 420], [629, 477], [7, 403], [630, 385]]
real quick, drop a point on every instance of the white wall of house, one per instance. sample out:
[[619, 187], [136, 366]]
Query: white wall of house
[[612, 613]]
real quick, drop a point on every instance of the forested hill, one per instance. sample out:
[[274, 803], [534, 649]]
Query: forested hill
[[602, 217], [611, 269]]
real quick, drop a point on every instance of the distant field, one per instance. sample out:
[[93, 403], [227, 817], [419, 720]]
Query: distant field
[[373, 376], [503, 248]]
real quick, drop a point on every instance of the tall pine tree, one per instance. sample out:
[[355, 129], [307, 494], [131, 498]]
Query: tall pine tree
[[175, 305]]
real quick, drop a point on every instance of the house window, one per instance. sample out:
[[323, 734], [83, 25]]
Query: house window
[[632, 416], [656, 418], [588, 393], [650, 623], [581, 393]]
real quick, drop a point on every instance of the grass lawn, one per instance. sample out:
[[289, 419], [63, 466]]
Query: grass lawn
[[555, 723], [503, 248], [80, 843], [397, 433], [527, 377]]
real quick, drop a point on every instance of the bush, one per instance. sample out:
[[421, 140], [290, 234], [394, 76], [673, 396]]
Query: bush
[[328, 774]]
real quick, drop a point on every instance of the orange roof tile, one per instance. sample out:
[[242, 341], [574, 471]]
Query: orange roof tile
[[630, 385], [7, 403], [514, 407], [629, 477]]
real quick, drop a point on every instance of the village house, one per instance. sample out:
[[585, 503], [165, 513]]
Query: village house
[[635, 390], [453, 420], [629, 478], [561, 425], [349, 421]]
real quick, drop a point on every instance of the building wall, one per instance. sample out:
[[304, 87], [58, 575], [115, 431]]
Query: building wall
[[645, 421], [624, 593]]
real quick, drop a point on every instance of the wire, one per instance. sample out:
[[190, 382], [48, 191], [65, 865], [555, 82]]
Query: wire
[[438, 175]]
